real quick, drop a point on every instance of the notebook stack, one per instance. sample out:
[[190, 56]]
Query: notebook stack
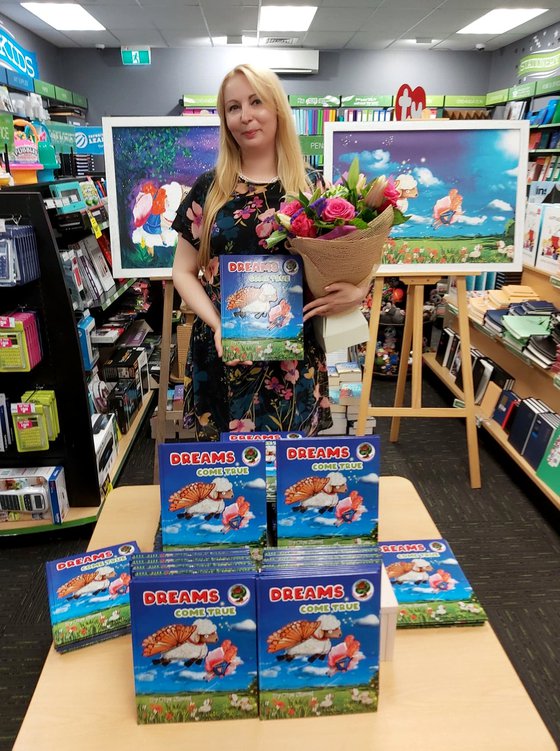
[[555, 334], [477, 308], [194, 645], [518, 329], [493, 322], [319, 631], [510, 294], [524, 420], [543, 350]]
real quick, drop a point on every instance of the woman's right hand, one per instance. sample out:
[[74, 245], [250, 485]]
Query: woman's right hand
[[220, 350]]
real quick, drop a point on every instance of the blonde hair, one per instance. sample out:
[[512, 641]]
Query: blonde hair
[[290, 164]]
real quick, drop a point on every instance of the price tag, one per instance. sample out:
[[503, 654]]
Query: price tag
[[94, 226]]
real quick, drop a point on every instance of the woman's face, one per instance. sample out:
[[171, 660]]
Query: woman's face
[[250, 121]]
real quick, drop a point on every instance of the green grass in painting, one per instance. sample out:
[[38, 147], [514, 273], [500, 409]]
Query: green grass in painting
[[466, 612], [284, 542], [413, 250], [94, 624], [157, 709], [263, 349], [278, 705]]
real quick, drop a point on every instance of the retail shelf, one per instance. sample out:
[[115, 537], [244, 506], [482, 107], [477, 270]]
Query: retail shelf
[[126, 440], [75, 517], [491, 427], [109, 297], [542, 127], [544, 151]]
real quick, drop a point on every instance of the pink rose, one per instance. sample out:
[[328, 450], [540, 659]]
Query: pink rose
[[391, 194], [290, 208], [338, 208], [302, 226]]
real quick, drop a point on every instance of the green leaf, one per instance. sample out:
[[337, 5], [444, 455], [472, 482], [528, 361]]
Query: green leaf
[[304, 200], [353, 174], [399, 217], [315, 195], [359, 223], [276, 237]]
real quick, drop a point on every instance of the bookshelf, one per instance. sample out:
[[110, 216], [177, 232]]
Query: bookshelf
[[492, 427]]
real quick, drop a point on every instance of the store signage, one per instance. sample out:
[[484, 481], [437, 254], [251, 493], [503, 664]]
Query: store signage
[[376, 100], [7, 130], [329, 100], [136, 56], [548, 86], [409, 102], [17, 57], [522, 91], [497, 97], [311, 145], [466, 100], [63, 136], [434, 100], [539, 64], [192, 101], [89, 139]]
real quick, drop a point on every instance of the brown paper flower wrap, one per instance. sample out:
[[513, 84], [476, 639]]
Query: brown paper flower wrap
[[351, 258]]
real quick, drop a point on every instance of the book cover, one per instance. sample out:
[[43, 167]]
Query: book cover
[[537, 441], [194, 646], [504, 407], [533, 216], [88, 596], [213, 495], [429, 584], [525, 416], [327, 490], [548, 251], [549, 468], [262, 307], [444, 342], [318, 641]]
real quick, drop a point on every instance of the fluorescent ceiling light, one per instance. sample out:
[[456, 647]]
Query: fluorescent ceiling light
[[501, 19], [286, 17], [64, 16]]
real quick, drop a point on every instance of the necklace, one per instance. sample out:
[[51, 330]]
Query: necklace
[[257, 182]]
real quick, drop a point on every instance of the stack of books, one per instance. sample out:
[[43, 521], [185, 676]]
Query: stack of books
[[543, 350], [345, 389], [523, 425], [518, 329], [478, 306]]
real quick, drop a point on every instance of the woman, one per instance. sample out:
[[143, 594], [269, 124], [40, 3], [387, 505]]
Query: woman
[[230, 210]]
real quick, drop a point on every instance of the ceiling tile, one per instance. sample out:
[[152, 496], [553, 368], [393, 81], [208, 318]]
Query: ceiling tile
[[365, 40], [178, 38], [327, 40], [140, 38], [339, 19], [230, 20]]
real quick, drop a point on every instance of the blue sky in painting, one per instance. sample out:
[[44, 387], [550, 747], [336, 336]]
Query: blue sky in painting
[[481, 164]]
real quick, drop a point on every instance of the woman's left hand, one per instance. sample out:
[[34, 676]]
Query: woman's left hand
[[340, 298]]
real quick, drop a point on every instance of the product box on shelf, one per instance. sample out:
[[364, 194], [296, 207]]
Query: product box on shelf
[[104, 427], [124, 400], [89, 353], [33, 493], [128, 363]]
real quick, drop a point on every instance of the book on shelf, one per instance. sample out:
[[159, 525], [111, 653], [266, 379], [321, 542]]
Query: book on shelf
[[482, 373], [548, 253], [525, 416], [90, 246], [505, 408], [533, 215], [549, 467], [534, 139], [444, 345], [537, 440], [450, 355], [515, 110]]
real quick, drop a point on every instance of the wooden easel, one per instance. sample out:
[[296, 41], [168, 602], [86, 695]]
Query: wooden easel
[[412, 335], [163, 371]]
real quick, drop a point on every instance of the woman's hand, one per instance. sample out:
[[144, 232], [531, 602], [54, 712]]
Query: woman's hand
[[220, 350], [340, 298]]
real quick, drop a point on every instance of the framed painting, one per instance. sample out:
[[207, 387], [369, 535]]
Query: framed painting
[[461, 184], [151, 163]]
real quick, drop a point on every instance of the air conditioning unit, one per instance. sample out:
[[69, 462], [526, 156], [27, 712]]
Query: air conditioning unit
[[289, 61]]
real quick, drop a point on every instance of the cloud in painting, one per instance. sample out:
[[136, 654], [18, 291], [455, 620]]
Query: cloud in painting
[[497, 203], [257, 483], [416, 219], [509, 142], [426, 177], [498, 218], [474, 220], [370, 161]]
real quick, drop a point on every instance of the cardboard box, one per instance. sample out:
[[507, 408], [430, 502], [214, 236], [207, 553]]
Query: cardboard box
[[105, 441], [124, 400], [33, 493], [128, 363]]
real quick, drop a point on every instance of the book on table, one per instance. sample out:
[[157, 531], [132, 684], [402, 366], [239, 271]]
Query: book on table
[[430, 585]]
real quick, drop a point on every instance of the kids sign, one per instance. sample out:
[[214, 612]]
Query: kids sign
[[409, 102], [16, 57]]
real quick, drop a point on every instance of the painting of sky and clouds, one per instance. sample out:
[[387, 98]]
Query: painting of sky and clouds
[[458, 186]]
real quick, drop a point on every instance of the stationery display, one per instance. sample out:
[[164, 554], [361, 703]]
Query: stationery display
[[213, 494], [47, 399], [431, 588], [327, 490], [19, 259], [33, 493], [194, 622], [262, 307], [30, 426], [318, 631], [20, 344], [88, 596]]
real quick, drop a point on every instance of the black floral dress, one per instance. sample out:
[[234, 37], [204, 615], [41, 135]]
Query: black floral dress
[[265, 396]]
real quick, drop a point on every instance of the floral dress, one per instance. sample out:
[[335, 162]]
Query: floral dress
[[265, 396]]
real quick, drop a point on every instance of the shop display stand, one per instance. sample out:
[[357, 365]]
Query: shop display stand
[[413, 336], [166, 326]]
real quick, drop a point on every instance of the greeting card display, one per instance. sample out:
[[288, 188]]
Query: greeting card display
[[194, 642], [430, 586], [88, 596], [212, 495], [318, 634], [548, 253], [533, 214], [327, 490], [262, 307]]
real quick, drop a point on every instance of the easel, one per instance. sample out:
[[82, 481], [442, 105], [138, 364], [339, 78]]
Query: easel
[[412, 334], [163, 370]]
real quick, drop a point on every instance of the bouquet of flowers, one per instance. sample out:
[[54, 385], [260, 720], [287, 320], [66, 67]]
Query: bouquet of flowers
[[339, 232]]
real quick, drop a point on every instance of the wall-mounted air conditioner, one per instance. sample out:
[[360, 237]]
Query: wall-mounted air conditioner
[[289, 61]]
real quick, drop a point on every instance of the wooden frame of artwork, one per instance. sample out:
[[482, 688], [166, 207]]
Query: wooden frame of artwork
[[151, 164], [462, 183]]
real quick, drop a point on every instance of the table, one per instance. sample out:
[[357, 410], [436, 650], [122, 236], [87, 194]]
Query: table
[[446, 688]]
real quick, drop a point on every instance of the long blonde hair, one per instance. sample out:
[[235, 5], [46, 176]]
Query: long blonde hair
[[290, 164]]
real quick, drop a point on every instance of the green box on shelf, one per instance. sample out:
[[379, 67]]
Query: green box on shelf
[[302, 100], [434, 100], [200, 100], [62, 95], [373, 100], [548, 86], [43, 88], [7, 129], [497, 97], [79, 100], [466, 100], [63, 136], [312, 145], [522, 91]]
